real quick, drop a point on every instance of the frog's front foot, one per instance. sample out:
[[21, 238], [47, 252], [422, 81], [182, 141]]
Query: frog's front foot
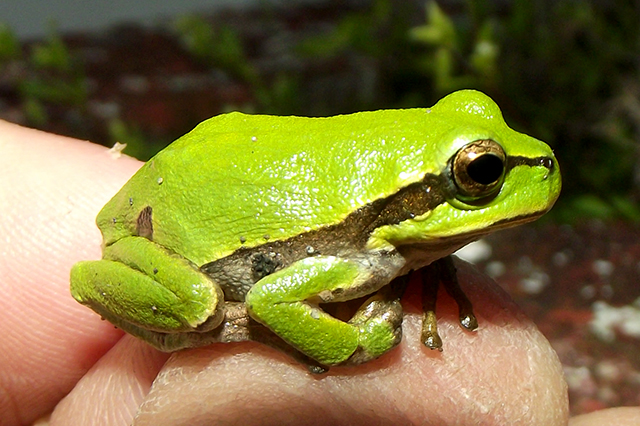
[[442, 271]]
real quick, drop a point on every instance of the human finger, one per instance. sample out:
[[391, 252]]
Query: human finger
[[52, 188]]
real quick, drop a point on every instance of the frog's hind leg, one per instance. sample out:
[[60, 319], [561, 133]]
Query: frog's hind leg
[[382, 307], [143, 288], [236, 326], [287, 303]]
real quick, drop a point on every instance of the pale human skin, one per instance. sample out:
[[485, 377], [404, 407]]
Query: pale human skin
[[58, 357]]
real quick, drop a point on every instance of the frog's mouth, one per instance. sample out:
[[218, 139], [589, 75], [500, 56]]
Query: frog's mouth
[[517, 220], [435, 247]]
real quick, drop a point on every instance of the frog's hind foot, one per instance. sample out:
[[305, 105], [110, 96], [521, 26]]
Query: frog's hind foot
[[380, 322]]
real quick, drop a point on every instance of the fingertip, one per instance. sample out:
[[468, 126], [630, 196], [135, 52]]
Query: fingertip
[[114, 388], [57, 185]]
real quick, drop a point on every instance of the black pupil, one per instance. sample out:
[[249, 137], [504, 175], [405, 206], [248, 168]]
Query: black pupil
[[485, 169]]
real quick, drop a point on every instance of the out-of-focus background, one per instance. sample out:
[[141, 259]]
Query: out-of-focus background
[[564, 71]]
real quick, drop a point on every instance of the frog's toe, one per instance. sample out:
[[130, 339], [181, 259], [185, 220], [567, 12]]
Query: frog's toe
[[430, 336], [380, 324]]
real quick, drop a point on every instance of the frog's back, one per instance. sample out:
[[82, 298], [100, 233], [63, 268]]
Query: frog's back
[[240, 180]]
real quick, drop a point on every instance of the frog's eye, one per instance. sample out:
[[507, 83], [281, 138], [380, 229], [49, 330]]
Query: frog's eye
[[478, 168]]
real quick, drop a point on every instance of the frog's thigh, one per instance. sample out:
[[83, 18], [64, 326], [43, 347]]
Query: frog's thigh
[[280, 302], [140, 283]]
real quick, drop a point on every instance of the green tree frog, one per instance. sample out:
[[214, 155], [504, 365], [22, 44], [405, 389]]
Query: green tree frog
[[247, 227]]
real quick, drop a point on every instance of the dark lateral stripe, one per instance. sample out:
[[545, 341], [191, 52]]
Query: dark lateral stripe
[[543, 161], [414, 200]]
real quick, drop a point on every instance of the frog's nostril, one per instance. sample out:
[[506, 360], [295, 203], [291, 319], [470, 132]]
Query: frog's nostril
[[546, 162]]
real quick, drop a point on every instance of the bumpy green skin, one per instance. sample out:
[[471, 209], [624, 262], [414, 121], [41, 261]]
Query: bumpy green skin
[[241, 181]]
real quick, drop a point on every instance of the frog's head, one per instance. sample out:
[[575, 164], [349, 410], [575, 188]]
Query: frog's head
[[487, 177]]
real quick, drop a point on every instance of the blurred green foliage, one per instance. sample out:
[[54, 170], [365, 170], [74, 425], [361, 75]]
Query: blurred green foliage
[[9, 44], [50, 74], [222, 48], [219, 47]]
